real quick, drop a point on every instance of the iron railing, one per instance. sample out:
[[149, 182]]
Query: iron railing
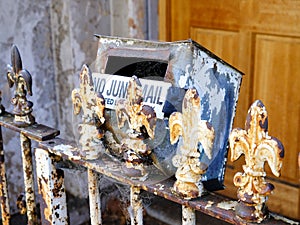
[[50, 177]]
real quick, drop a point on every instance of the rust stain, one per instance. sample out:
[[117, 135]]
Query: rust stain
[[4, 199], [131, 23], [21, 204], [258, 148], [28, 179], [136, 214], [51, 189], [142, 122], [92, 105]]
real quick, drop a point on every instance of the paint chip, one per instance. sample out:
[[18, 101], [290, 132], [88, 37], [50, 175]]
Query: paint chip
[[227, 205]]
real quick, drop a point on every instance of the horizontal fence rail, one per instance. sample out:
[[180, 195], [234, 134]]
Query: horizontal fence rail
[[211, 204], [50, 179]]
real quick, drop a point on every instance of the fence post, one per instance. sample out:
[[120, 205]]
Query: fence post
[[51, 188], [28, 179], [188, 215], [136, 205], [94, 197], [5, 211]]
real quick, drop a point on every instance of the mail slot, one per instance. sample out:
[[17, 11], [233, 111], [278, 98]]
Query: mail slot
[[163, 73]]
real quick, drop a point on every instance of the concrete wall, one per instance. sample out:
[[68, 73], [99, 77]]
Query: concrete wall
[[55, 38]]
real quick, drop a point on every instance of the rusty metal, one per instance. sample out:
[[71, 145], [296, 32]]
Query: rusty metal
[[23, 85], [5, 211], [53, 204], [136, 206], [142, 121], [187, 124], [188, 215], [28, 179], [94, 197], [211, 204], [258, 148], [188, 65], [36, 132], [181, 65], [92, 119], [21, 204], [4, 200], [106, 165]]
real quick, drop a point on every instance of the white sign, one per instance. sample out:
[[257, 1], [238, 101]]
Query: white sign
[[114, 87]]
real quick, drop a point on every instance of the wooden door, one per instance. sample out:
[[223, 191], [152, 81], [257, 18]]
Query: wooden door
[[262, 39]]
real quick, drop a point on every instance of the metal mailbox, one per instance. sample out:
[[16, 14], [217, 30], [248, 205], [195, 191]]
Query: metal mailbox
[[165, 71]]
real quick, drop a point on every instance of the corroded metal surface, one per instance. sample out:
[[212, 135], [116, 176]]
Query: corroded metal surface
[[92, 105], [21, 204], [189, 65], [36, 132], [253, 142], [210, 203], [22, 80], [4, 200], [142, 121], [136, 206], [258, 148], [188, 216], [53, 204], [187, 124], [106, 164], [94, 197], [182, 65], [28, 179]]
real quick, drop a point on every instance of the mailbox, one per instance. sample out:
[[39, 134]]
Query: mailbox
[[164, 71]]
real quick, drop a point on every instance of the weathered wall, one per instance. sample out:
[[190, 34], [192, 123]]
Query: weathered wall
[[55, 38], [26, 24]]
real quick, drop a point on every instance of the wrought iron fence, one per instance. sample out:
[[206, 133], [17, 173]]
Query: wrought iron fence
[[51, 150]]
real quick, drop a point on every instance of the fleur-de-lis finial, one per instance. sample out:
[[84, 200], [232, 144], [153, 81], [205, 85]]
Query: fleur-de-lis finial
[[23, 83], [193, 131], [258, 148], [142, 122], [92, 106]]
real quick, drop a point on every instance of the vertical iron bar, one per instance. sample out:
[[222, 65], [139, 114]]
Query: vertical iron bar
[[136, 214], [94, 198], [51, 187], [188, 216], [3, 184], [28, 179]]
